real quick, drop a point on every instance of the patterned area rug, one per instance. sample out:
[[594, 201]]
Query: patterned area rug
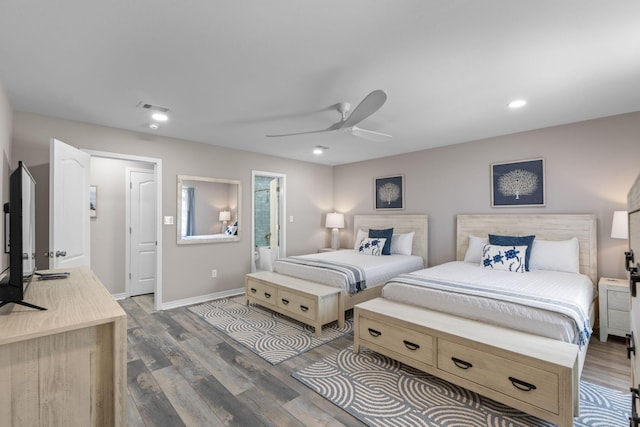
[[383, 392], [270, 335]]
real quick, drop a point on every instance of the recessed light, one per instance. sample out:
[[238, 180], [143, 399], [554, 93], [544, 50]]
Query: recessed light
[[153, 126], [160, 117], [319, 149], [517, 103]]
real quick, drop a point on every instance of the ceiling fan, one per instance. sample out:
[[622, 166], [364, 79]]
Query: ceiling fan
[[369, 105]]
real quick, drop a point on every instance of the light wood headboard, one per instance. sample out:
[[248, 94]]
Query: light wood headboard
[[545, 227], [400, 224]]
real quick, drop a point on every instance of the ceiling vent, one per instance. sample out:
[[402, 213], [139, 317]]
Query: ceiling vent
[[152, 107]]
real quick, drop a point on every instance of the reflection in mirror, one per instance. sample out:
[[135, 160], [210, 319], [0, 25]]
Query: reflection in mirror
[[208, 210]]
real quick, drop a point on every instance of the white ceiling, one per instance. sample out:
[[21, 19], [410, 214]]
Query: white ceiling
[[232, 71]]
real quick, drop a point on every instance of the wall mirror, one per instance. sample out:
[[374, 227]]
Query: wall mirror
[[208, 210]]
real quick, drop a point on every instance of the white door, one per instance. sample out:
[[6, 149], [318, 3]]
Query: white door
[[69, 174], [142, 232]]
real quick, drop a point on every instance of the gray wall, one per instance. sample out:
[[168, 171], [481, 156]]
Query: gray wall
[[187, 269], [6, 117], [590, 167]]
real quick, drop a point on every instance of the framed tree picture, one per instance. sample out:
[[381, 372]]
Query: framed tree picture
[[93, 201], [518, 183], [389, 192]]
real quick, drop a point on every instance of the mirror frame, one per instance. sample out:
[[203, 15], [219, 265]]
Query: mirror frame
[[179, 239]]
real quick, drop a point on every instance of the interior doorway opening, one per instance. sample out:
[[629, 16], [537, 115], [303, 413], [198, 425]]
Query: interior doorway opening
[[267, 219]]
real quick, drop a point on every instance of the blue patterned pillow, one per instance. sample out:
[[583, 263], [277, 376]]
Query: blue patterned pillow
[[508, 258], [514, 241], [387, 234], [371, 246]]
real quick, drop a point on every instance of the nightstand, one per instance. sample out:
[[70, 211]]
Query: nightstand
[[614, 307]]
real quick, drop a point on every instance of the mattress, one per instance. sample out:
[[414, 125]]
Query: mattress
[[377, 269], [560, 287]]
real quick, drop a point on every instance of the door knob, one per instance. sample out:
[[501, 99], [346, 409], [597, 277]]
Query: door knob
[[61, 253]]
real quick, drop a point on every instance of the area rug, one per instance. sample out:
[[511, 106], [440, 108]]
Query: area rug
[[270, 335], [383, 392]]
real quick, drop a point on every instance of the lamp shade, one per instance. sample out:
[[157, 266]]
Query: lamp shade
[[335, 220], [224, 216], [620, 225]]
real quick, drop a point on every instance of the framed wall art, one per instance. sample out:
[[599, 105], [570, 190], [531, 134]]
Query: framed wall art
[[93, 201], [389, 192], [519, 183]]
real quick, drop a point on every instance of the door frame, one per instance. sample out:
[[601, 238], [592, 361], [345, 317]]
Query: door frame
[[282, 251], [157, 168]]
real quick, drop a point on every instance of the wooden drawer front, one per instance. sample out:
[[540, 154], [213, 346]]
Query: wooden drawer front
[[619, 320], [618, 300], [409, 343], [495, 372], [301, 305], [262, 292]]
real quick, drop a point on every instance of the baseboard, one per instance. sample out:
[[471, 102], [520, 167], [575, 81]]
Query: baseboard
[[202, 298], [119, 296]]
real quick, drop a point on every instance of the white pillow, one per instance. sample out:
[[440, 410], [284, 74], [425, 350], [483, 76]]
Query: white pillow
[[372, 246], [402, 243], [474, 251], [559, 255], [360, 236], [508, 258]]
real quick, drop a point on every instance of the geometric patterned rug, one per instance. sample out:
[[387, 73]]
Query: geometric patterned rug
[[380, 391], [268, 334]]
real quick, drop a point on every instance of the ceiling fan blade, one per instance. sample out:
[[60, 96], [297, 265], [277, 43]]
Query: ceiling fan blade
[[369, 105], [370, 134], [329, 129]]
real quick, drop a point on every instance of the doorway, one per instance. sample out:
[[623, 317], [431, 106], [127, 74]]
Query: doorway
[[268, 215], [126, 249]]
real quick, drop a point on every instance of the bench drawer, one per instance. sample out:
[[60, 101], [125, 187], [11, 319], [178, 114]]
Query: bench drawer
[[299, 304], [412, 344], [531, 385], [263, 292]]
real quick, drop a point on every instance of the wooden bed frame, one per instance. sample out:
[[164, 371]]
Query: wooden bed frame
[[535, 374], [317, 304]]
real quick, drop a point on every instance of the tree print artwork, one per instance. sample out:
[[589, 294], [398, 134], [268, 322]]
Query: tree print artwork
[[518, 183], [388, 192]]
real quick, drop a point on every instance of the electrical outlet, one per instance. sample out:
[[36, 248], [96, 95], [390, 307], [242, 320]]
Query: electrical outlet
[[214, 273]]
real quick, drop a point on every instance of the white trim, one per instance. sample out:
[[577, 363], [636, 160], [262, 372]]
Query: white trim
[[158, 177], [120, 295], [202, 298]]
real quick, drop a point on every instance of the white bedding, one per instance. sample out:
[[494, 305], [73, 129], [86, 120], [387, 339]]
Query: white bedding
[[559, 286], [378, 269]]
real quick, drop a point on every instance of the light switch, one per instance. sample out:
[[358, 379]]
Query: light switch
[[168, 220]]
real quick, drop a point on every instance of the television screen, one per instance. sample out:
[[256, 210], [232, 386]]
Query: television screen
[[21, 241]]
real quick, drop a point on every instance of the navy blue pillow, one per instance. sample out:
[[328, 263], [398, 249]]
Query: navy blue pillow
[[387, 234], [514, 241]]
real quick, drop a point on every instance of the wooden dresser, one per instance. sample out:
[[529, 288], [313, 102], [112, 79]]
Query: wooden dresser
[[65, 366]]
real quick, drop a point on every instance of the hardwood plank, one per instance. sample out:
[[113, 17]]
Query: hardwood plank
[[239, 388], [154, 407]]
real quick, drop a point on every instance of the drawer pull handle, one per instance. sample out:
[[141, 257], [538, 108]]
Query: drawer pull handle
[[411, 346], [254, 290], [285, 301], [521, 385], [634, 419], [374, 333], [268, 295], [461, 363], [304, 308]]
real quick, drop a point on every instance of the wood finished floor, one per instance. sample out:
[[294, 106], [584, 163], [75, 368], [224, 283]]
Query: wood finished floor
[[183, 372]]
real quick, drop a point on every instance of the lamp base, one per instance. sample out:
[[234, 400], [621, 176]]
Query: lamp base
[[335, 239]]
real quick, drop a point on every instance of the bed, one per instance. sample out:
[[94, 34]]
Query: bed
[[473, 346], [304, 289]]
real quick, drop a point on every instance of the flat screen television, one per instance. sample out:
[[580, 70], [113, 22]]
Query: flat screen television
[[20, 237]]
